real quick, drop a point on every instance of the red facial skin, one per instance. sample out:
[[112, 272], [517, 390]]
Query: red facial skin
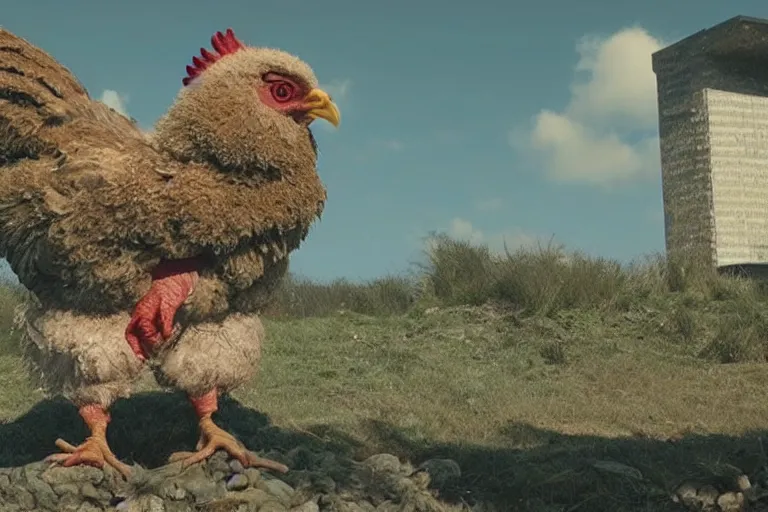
[[284, 95]]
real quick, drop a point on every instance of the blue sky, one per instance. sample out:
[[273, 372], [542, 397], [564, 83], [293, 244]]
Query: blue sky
[[489, 120]]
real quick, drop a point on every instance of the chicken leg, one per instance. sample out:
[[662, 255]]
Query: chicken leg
[[213, 437], [152, 319], [94, 451]]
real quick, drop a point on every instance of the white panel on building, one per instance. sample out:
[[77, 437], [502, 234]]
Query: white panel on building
[[738, 140]]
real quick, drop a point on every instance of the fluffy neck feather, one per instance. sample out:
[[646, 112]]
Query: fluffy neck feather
[[234, 132]]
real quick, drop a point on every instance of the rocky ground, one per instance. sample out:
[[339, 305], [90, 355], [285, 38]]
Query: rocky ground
[[380, 483]]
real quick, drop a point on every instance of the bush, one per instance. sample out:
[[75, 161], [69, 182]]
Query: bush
[[300, 297], [545, 280]]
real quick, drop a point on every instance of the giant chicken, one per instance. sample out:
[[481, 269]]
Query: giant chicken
[[155, 249]]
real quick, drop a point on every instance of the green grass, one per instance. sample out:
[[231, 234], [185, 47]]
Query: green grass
[[527, 368]]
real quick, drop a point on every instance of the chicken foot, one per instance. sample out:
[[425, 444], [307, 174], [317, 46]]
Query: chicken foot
[[94, 451], [152, 320], [213, 437]]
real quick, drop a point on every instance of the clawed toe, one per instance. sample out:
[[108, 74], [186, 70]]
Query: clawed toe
[[93, 452], [214, 438]]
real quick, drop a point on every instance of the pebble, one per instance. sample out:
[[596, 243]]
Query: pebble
[[89, 491], [731, 502], [279, 489], [442, 472], [309, 506], [254, 476], [237, 482], [236, 466], [383, 462], [40, 486]]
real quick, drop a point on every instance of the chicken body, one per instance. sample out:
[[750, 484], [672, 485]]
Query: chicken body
[[162, 248]]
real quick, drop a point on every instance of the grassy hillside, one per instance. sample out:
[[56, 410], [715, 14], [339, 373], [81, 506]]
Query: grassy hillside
[[557, 381]]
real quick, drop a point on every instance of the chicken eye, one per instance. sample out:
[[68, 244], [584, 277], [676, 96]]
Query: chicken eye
[[282, 91]]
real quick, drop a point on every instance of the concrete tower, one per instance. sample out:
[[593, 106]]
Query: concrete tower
[[713, 125]]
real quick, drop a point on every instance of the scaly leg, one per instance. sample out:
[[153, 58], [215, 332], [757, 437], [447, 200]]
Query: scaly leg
[[94, 451], [213, 438], [153, 317]]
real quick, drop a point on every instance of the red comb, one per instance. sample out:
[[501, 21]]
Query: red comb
[[224, 44]]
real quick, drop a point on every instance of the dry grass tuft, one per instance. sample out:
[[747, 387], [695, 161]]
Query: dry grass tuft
[[557, 381]]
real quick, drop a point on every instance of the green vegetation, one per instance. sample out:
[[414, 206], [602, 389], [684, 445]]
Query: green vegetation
[[556, 380], [697, 310]]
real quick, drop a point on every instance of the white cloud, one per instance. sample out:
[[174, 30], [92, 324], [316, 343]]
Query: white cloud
[[462, 229], [338, 89], [608, 131], [115, 100]]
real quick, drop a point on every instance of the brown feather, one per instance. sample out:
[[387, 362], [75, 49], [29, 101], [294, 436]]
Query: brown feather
[[221, 354], [89, 204], [87, 369]]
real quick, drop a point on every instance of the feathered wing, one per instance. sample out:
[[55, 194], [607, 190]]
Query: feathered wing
[[53, 138], [88, 206]]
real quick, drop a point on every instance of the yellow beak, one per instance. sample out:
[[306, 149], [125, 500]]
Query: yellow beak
[[319, 105]]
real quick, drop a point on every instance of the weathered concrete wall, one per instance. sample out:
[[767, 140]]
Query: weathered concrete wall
[[737, 125], [687, 190], [711, 90]]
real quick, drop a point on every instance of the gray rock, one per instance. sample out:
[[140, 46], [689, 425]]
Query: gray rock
[[351, 506], [58, 475], [89, 507], [388, 506], [743, 483], [708, 496], [63, 489], [219, 461], [279, 489], [16, 475], [254, 476], [199, 484], [88, 490], [731, 502], [22, 497], [43, 493], [383, 463], [686, 493], [69, 503], [323, 483], [154, 504], [236, 466], [237, 482], [31, 472], [254, 497], [442, 472], [171, 490], [223, 484], [273, 506], [309, 506], [177, 506], [144, 503]]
